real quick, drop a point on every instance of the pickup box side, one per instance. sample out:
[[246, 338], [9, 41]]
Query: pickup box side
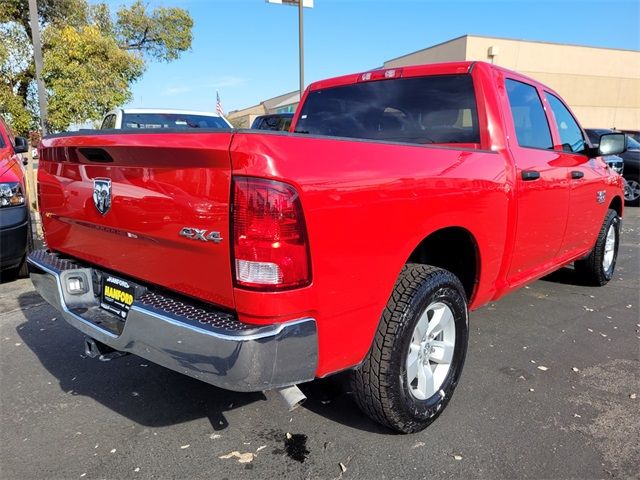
[[368, 205]]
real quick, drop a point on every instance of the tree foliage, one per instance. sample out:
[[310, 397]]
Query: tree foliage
[[91, 56]]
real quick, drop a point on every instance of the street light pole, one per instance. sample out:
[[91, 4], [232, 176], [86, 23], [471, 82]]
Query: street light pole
[[37, 57], [301, 45], [301, 5]]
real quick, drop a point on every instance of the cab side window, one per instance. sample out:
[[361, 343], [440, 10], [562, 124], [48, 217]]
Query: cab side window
[[570, 133], [529, 119]]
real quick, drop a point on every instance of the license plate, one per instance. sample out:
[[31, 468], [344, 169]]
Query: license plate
[[117, 295]]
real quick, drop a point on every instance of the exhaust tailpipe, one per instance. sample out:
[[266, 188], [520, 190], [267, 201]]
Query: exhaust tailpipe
[[104, 353], [292, 396]]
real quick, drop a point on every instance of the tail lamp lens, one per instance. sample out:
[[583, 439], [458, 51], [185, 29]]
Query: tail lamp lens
[[270, 238]]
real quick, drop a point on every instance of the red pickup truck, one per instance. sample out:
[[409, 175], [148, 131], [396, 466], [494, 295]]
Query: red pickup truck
[[253, 260], [15, 221]]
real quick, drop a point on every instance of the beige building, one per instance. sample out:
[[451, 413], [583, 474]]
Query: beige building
[[286, 103], [601, 85]]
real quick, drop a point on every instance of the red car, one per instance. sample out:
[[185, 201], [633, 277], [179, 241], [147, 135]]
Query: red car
[[15, 226], [402, 199]]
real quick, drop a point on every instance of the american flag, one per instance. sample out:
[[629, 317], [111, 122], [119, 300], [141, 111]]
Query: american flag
[[219, 109]]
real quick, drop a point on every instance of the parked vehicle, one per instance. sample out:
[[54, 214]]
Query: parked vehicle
[[615, 162], [635, 134], [274, 121], [15, 224], [631, 158], [262, 260], [128, 118]]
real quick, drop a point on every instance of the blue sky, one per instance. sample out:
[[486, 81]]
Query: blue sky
[[248, 49]]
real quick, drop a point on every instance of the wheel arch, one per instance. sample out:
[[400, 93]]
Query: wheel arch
[[454, 249], [617, 205]]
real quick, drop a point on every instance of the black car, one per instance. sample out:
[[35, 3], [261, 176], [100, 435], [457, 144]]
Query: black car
[[274, 121], [631, 160]]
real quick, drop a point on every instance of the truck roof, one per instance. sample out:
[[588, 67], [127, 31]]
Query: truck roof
[[445, 68], [168, 110]]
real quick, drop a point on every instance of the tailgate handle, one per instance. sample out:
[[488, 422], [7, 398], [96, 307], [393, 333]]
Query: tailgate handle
[[576, 174], [529, 175], [96, 155]]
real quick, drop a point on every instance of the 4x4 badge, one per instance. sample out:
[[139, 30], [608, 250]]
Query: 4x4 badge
[[102, 194], [200, 234]]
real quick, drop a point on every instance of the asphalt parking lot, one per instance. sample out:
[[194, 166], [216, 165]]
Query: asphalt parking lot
[[550, 390]]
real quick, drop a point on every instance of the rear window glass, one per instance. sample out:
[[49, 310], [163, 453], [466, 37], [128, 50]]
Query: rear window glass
[[171, 120], [423, 110]]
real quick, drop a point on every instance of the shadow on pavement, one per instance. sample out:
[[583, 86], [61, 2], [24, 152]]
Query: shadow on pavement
[[565, 276], [146, 393], [331, 398], [154, 396]]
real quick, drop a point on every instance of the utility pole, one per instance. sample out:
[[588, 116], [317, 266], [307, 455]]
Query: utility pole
[[37, 56], [301, 45]]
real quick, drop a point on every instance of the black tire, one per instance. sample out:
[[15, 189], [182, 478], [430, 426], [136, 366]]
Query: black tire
[[379, 384], [590, 270], [23, 269]]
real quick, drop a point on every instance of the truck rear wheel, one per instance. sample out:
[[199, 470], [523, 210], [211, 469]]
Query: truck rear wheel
[[417, 355], [597, 269]]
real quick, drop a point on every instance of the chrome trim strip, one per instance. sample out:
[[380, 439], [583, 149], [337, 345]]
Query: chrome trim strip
[[274, 356]]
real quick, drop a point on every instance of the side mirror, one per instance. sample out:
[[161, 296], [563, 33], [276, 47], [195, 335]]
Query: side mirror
[[612, 144], [21, 145]]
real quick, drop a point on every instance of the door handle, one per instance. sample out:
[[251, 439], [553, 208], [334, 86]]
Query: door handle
[[576, 174], [528, 175]]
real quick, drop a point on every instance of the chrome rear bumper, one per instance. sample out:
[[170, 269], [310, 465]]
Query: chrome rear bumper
[[208, 344]]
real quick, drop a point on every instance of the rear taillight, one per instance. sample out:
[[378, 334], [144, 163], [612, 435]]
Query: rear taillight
[[269, 235]]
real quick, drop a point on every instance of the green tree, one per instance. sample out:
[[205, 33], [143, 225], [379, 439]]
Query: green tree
[[91, 56]]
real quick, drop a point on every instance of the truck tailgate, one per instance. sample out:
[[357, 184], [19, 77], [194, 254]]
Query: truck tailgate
[[160, 184]]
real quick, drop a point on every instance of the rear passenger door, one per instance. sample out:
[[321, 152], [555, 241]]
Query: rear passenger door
[[586, 177], [542, 189]]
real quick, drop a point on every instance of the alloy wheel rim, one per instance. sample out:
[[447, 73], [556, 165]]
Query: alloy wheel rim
[[609, 248], [430, 351], [631, 190]]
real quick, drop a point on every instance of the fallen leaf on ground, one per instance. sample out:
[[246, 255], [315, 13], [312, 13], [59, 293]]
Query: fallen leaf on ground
[[260, 448], [242, 457], [543, 368], [185, 446], [342, 467]]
